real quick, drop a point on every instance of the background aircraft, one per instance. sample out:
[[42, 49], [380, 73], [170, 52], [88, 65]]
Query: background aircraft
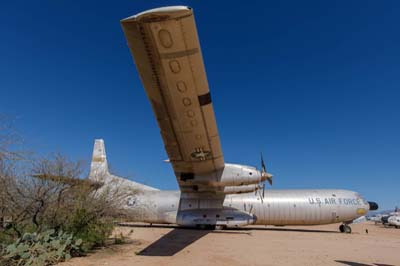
[[391, 218]]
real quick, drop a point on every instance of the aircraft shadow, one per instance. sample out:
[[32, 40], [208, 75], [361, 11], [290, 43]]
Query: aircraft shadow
[[180, 237], [149, 226], [173, 242], [352, 263]]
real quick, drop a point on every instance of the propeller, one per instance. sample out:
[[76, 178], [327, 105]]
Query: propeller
[[264, 172], [264, 176]]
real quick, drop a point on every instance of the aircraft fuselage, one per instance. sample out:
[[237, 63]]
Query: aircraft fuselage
[[277, 207]]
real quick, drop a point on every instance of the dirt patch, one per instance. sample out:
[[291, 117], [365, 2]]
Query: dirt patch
[[257, 245]]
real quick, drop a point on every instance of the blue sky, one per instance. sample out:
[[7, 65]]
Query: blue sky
[[314, 85]]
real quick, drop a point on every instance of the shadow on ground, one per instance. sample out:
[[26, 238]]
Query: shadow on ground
[[179, 238], [173, 242], [148, 225], [352, 263]]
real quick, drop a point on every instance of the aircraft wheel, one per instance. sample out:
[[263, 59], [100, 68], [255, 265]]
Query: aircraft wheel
[[344, 228], [341, 228], [347, 229], [206, 226], [201, 226]]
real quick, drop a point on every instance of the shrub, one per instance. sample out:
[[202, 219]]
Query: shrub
[[39, 249], [92, 230], [38, 194]]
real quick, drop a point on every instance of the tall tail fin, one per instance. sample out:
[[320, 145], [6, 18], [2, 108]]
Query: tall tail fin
[[99, 170], [99, 165]]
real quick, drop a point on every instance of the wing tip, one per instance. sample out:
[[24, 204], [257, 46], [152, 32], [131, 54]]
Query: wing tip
[[170, 11]]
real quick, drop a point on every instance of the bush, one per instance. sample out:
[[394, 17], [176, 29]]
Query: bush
[[38, 194], [39, 249], [92, 231]]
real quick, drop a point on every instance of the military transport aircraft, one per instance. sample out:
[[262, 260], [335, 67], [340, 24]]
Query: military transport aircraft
[[166, 50]]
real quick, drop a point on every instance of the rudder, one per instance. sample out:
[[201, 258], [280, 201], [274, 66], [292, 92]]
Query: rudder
[[99, 165]]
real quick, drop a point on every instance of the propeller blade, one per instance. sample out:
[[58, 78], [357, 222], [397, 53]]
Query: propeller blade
[[263, 168], [263, 191], [269, 179]]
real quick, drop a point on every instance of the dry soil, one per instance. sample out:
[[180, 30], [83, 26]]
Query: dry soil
[[256, 245]]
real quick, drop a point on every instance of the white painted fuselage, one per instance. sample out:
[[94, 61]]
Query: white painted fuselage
[[277, 207]]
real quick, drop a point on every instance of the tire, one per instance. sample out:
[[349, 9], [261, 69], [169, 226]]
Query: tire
[[211, 227], [347, 229], [341, 228], [205, 226]]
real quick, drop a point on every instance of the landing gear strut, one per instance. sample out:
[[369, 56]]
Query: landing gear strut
[[344, 228]]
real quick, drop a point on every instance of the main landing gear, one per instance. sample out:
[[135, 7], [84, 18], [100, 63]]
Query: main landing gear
[[206, 226], [344, 228]]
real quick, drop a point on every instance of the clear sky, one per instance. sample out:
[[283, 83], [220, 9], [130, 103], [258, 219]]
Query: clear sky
[[314, 85]]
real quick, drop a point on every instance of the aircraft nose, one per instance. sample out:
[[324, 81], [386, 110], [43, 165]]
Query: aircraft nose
[[373, 205]]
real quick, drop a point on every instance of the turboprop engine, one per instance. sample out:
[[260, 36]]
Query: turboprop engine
[[231, 179], [240, 175], [233, 175], [249, 179]]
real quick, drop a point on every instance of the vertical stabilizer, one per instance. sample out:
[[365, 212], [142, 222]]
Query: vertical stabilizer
[[99, 165], [99, 171]]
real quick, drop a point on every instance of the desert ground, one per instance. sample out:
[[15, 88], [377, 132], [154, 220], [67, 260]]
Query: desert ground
[[255, 245]]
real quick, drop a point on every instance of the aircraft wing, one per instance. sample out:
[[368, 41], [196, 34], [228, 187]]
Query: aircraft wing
[[166, 50]]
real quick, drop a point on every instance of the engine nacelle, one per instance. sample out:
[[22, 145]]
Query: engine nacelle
[[241, 189], [230, 175], [239, 175]]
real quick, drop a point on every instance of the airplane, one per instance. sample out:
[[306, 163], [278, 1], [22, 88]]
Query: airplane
[[376, 218], [212, 193], [394, 220], [391, 218], [387, 218]]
